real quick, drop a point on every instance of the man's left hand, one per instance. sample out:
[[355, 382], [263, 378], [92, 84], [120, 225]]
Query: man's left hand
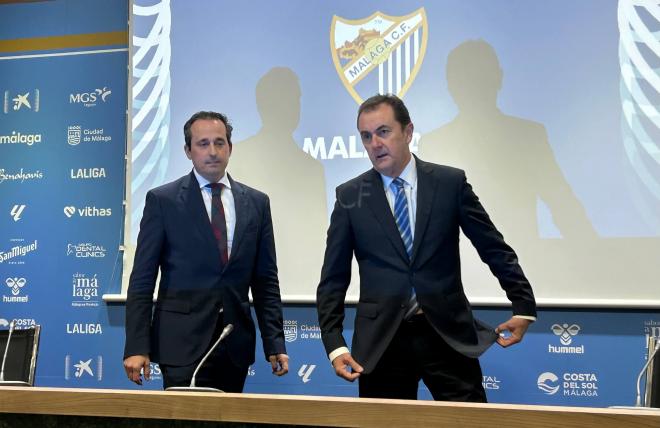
[[516, 328], [279, 363]]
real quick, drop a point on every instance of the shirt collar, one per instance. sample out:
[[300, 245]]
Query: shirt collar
[[203, 181], [408, 175]]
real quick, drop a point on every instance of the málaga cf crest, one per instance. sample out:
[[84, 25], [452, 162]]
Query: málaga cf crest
[[392, 47]]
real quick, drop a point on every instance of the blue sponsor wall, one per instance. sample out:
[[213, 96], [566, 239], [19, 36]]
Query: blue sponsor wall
[[62, 187]]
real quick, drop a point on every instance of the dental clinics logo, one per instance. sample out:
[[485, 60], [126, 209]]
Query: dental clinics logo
[[20, 138], [89, 211], [92, 98], [76, 134], [84, 290], [19, 176], [566, 333], [21, 101], [15, 288], [85, 368], [491, 383], [381, 52], [19, 249], [85, 250], [570, 384]]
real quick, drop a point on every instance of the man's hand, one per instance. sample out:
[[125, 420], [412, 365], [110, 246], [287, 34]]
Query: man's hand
[[136, 363], [341, 362], [516, 327], [279, 363]]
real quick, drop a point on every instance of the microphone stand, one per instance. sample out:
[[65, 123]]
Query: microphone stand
[[193, 388], [4, 382], [649, 361]]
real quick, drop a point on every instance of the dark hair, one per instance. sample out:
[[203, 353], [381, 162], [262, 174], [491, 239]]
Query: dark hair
[[401, 114], [205, 115]]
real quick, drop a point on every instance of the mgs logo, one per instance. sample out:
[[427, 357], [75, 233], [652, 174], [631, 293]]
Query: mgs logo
[[90, 99], [392, 45], [548, 382], [290, 330]]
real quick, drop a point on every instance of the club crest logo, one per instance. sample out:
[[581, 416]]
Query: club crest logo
[[380, 53]]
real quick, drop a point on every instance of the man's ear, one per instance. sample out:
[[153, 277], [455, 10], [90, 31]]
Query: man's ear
[[187, 150], [410, 128]]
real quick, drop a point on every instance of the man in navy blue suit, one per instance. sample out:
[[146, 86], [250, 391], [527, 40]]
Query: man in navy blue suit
[[401, 220], [212, 239]]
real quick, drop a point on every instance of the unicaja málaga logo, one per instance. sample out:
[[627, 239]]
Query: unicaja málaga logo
[[548, 382], [19, 138]]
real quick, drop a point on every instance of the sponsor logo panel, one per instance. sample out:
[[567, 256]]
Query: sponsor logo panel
[[19, 175], [16, 251], [76, 135], [14, 101]]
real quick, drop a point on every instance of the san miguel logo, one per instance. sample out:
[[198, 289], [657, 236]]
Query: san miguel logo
[[392, 47]]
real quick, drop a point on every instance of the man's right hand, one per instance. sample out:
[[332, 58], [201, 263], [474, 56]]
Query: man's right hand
[[134, 365], [341, 362]]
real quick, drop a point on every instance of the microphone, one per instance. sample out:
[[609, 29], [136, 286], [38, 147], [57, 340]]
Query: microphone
[[225, 332], [4, 382], [649, 360]]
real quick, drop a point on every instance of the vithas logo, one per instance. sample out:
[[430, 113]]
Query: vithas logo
[[89, 211]]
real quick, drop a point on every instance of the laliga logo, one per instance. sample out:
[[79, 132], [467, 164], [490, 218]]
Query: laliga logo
[[392, 47], [548, 382], [15, 284], [565, 332], [306, 371]]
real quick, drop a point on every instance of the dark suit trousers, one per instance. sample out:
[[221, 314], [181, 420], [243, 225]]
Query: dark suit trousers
[[417, 352], [217, 372]]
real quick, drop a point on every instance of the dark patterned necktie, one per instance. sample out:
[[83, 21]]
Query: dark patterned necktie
[[218, 222], [402, 219]]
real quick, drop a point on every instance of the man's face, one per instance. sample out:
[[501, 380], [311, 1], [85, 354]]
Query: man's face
[[209, 150], [385, 140]]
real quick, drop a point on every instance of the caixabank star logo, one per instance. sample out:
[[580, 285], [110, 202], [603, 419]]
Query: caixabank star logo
[[379, 53]]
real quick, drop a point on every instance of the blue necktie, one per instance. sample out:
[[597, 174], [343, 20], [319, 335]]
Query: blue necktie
[[402, 220]]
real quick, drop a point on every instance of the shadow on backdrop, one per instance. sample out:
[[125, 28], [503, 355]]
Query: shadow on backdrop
[[272, 162], [512, 167]]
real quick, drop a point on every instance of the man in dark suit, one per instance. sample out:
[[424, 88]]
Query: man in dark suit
[[212, 238], [401, 220]]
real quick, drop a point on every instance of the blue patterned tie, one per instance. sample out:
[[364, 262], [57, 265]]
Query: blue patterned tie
[[402, 220]]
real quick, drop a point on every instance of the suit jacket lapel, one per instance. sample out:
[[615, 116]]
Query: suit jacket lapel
[[191, 197], [377, 202], [241, 202], [425, 194]]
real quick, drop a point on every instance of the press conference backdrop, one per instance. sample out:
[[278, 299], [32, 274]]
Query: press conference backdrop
[[63, 83], [550, 107]]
